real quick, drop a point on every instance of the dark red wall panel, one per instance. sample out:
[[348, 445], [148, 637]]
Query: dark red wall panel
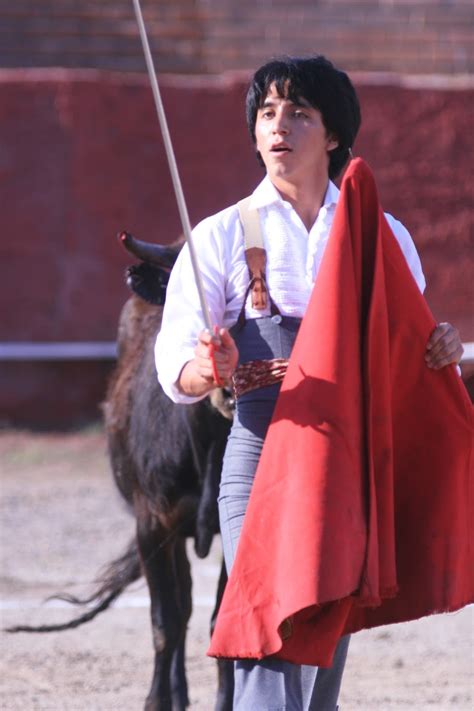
[[81, 158]]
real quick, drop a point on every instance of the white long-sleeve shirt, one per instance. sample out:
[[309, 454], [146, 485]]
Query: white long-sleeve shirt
[[293, 260]]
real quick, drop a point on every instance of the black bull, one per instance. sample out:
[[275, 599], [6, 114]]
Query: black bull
[[166, 460]]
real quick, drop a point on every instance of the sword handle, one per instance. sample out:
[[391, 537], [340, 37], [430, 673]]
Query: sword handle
[[213, 347]]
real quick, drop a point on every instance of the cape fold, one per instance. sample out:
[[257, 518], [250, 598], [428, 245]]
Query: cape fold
[[361, 513]]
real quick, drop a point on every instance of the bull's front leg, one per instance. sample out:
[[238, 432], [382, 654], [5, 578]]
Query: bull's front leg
[[179, 685], [207, 520], [163, 566]]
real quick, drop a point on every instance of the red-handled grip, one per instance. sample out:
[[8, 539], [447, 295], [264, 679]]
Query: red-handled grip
[[213, 347]]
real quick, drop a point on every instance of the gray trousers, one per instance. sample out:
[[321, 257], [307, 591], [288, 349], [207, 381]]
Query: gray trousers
[[269, 684]]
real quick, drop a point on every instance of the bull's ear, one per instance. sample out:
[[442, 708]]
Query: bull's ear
[[148, 282]]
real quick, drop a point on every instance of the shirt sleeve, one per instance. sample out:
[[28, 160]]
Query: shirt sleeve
[[182, 317], [411, 255], [409, 250]]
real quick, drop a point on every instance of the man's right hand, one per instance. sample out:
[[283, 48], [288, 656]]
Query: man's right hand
[[197, 376]]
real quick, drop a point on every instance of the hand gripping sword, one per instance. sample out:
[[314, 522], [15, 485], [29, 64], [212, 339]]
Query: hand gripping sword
[[178, 189]]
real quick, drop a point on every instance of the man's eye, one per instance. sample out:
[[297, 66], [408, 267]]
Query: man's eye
[[299, 114], [267, 114]]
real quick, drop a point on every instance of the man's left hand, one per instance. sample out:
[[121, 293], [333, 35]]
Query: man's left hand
[[444, 347]]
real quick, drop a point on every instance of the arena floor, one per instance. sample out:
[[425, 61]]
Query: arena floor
[[62, 520]]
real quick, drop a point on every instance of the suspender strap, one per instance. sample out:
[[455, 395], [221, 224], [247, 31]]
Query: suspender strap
[[256, 258], [250, 220]]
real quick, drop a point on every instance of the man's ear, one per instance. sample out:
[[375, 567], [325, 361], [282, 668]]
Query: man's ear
[[332, 142]]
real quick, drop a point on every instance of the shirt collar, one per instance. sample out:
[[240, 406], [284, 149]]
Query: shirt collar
[[332, 195], [266, 194]]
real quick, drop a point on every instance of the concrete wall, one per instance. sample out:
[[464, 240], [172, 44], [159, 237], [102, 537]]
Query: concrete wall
[[81, 158]]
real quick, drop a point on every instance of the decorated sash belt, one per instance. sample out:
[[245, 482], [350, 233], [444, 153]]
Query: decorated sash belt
[[258, 374]]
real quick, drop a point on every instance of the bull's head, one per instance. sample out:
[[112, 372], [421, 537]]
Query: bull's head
[[149, 280]]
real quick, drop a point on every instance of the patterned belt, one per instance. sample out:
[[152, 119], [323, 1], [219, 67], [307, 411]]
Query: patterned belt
[[258, 374]]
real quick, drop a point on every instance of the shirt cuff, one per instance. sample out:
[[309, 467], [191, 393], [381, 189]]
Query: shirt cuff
[[169, 368]]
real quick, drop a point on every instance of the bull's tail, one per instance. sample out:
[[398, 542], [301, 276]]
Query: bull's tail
[[115, 579]]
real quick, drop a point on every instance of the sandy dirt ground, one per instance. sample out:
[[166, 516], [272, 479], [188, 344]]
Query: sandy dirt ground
[[62, 520]]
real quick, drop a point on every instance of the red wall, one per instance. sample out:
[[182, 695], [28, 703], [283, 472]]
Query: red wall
[[81, 158]]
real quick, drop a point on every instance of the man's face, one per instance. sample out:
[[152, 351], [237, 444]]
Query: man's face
[[292, 139]]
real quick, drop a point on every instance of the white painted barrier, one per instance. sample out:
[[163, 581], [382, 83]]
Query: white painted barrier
[[70, 350], [468, 355], [98, 350]]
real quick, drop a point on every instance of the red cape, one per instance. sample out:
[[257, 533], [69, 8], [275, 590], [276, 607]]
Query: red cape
[[361, 513]]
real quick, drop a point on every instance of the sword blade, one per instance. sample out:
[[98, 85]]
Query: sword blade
[[178, 189]]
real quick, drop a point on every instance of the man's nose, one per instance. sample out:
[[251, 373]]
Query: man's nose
[[280, 124]]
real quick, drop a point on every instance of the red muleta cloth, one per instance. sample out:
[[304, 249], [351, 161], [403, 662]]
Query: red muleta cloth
[[361, 513]]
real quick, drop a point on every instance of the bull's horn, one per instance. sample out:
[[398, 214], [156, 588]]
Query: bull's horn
[[163, 256]]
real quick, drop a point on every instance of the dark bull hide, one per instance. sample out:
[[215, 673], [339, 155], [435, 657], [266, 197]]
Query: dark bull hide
[[166, 460]]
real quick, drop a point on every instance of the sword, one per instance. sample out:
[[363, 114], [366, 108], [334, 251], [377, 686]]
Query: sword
[[178, 189]]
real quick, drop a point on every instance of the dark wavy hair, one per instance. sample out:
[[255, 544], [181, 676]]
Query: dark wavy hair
[[326, 88]]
